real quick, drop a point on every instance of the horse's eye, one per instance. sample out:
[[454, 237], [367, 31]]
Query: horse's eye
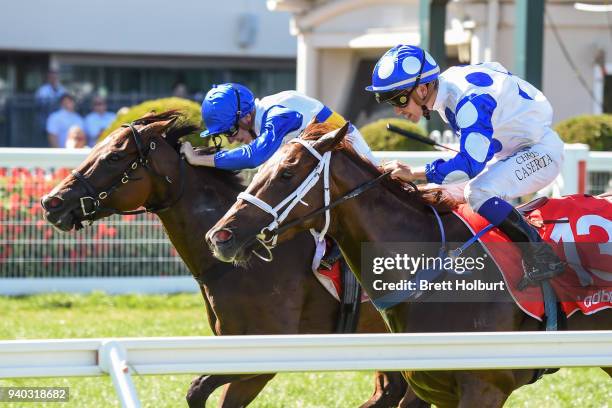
[[287, 174], [113, 157]]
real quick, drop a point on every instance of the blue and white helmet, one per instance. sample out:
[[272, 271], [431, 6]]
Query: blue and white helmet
[[402, 67]]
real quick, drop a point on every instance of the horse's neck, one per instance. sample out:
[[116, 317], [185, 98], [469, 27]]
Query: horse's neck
[[204, 201], [378, 215]]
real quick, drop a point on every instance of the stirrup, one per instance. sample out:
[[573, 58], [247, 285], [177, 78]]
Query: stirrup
[[535, 274], [330, 257]]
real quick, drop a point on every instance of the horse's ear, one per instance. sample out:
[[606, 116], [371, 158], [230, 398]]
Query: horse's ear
[[331, 140], [161, 125]]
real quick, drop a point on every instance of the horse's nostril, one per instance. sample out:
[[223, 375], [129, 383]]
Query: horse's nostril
[[222, 235], [52, 202]]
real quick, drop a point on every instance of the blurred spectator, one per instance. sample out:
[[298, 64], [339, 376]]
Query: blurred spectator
[[50, 91], [60, 121], [179, 89], [76, 138], [98, 120], [46, 98]]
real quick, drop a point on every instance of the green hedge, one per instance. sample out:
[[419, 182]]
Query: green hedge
[[191, 110], [594, 130], [379, 138]]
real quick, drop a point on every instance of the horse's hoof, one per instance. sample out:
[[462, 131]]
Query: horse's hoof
[[198, 393]]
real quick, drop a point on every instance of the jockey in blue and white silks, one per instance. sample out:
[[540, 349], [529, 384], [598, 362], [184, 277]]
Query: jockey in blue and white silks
[[263, 125], [496, 115]]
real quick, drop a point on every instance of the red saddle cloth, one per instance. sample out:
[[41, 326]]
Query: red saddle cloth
[[584, 242], [331, 279]]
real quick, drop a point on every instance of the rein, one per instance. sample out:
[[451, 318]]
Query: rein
[[91, 204], [351, 194], [268, 236]]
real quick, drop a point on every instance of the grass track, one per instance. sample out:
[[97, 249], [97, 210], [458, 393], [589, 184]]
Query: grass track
[[99, 315]]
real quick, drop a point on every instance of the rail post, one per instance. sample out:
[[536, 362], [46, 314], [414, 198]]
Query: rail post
[[112, 359]]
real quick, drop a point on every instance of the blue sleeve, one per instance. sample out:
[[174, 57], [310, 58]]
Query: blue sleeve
[[53, 124], [89, 125], [277, 123], [477, 145]]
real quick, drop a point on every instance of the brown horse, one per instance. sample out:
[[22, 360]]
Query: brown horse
[[133, 168], [384, 213]]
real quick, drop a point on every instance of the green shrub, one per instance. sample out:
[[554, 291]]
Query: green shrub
[[190, 109], [594, 130], [379, 138]]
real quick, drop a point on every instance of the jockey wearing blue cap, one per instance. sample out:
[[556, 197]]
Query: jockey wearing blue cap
[[263, 125], [495, 114]]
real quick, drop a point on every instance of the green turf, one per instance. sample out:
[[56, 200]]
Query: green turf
[[99, 315]]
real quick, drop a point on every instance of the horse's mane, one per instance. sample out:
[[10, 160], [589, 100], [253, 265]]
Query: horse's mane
[[430, 196], [180, 127]]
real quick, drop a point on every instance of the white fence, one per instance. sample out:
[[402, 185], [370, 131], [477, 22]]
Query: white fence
[[32, 261], [265, 354]]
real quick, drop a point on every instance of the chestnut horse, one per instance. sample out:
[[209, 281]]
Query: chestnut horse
[[139, 166], [383, 213]]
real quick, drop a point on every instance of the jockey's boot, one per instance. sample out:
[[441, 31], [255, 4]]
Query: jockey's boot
[[539, 260], [332, 255]]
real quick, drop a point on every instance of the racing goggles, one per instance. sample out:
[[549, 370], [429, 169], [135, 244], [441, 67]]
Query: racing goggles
[[399, 99]]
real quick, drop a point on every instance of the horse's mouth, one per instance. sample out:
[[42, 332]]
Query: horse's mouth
[[65, 221], [236, 254], [239, 256]]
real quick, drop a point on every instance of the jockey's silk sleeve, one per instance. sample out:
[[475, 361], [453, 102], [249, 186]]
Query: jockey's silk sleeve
[[277, 122], [473, 122]]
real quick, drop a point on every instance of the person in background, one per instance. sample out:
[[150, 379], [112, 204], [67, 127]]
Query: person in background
[[76, 138], [51, 91], [180, 90], [60, 121], [46, 100], [98, 120]]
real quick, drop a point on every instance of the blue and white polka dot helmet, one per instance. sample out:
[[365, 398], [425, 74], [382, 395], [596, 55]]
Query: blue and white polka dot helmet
[[401, 67]]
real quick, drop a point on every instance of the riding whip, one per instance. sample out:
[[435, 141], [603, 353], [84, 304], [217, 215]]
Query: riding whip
[[417, 137]]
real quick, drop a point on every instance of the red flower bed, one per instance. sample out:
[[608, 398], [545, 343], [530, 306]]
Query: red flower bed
[[116, 246]]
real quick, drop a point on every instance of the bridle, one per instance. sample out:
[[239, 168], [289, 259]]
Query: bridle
[[91, 204], [268, 235]]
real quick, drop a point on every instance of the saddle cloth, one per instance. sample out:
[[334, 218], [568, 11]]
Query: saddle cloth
[[583, 239]]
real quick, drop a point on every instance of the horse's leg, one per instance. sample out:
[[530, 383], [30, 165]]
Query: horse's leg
[[204, 385], [411, 400], [389, 388], [484, 389], [241, 393], [608, 370]]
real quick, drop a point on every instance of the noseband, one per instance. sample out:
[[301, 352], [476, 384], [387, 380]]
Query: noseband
[[268, 236], [91, 204]]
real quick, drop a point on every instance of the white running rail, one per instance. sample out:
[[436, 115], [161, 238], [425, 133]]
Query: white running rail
[[580, 166], [122, 357]]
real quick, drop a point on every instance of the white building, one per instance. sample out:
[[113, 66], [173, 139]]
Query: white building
[[145, 46], [340, 40]]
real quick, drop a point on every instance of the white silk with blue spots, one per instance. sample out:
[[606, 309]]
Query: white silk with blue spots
[[493, 112]]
